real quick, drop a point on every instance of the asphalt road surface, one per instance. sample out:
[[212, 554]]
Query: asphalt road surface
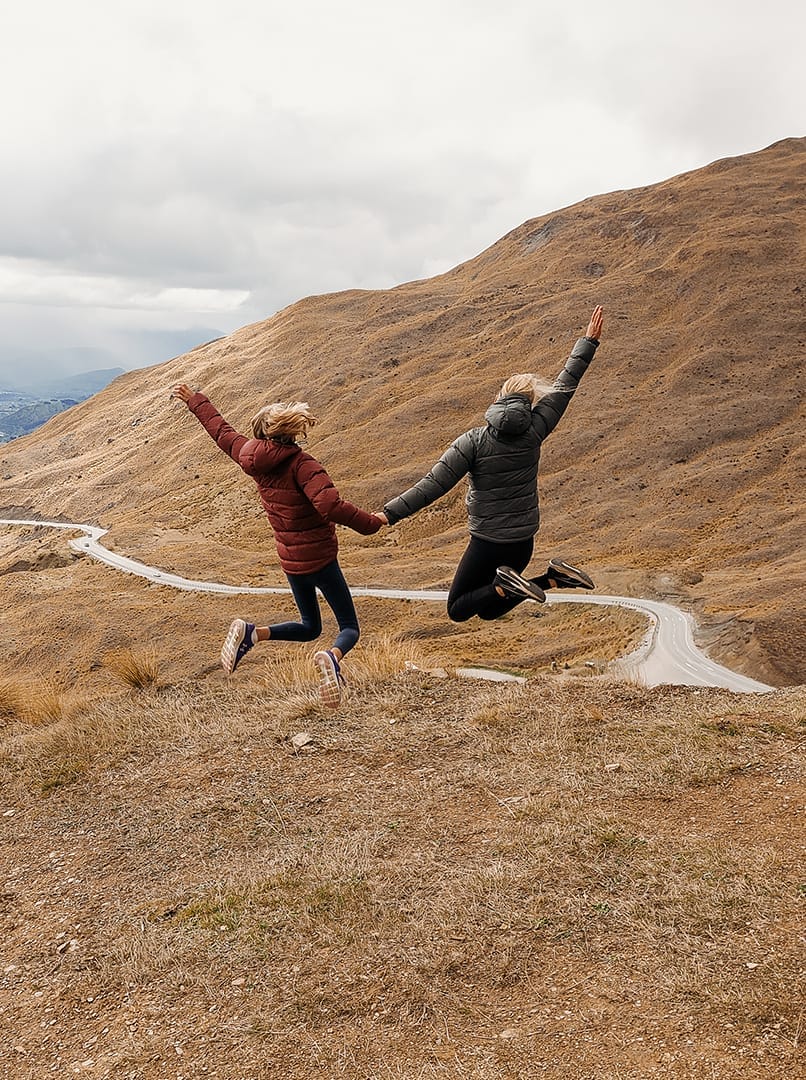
[[667, 655]]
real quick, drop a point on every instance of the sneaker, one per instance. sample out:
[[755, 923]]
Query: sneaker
[[331, 680], [237, 644], [514, 585], [567, 576]]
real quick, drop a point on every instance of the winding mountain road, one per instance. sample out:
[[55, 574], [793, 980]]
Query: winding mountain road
[[667, 654]]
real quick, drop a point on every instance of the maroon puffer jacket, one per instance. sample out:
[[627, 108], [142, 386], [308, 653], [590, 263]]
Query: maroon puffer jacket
[[298, 496]]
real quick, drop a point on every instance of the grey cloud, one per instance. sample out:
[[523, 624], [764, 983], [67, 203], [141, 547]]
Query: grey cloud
[[293, 149]]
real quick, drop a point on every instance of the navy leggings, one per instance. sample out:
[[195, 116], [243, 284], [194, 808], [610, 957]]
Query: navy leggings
[[330, 582], [472, 591]]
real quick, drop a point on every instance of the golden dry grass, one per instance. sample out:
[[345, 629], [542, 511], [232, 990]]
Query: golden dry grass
[[32, 702], [138, 668], [291, 680]]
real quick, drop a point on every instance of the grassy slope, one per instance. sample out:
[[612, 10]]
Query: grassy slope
[[453, 879], [676, 470]]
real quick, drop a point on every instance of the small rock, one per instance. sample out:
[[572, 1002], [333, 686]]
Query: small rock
[[613, 766], [301, 739], [509, 1033]]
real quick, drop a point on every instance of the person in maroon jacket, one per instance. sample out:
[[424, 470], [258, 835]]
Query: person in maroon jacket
[[303, 508]]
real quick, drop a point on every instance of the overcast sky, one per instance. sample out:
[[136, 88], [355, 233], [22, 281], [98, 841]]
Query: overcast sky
[[174, 169]]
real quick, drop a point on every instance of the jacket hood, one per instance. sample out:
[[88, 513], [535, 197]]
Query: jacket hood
[[510, 415], [265, 455]]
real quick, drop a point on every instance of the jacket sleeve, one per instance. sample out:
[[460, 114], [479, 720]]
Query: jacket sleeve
[[216, 426], [547, 412], [455, 463], [317, 486]]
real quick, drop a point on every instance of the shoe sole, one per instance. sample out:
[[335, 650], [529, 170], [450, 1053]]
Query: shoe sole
[[584, 582], [232, 642], [330, 687], [521, 585]]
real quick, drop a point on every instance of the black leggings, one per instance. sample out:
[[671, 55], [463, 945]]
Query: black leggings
[[330, 581], [472, 591]]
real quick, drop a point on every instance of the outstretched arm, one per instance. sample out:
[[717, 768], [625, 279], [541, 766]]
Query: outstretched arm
[[222, 433], [321, 492], [455, 463], [548, 410]]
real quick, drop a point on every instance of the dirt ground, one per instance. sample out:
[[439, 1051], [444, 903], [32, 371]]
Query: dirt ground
[[450, 879]]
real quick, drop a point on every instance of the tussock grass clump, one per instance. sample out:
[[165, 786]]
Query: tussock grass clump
[[383, 657], [31, 703], [290, 670], [138, 668], [107, 730], [8, 700]]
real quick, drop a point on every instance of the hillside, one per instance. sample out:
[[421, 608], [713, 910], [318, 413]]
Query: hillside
[[677, 471], [447, 880]]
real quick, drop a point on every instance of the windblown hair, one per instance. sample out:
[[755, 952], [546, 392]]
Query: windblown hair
[[289, 419], [532, 386]]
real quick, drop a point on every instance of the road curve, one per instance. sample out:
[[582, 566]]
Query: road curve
[[667, 655]]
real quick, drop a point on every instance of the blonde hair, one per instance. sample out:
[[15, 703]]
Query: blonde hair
[[532, 386], [283, 418]]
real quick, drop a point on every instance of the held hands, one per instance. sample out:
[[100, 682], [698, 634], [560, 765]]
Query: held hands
[[183, 392], [595, 325], [380, 514]]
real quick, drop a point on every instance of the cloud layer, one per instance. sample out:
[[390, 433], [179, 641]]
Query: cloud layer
[[185, 164]]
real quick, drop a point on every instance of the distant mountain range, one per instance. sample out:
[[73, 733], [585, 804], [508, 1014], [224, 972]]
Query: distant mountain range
[[23, 409]]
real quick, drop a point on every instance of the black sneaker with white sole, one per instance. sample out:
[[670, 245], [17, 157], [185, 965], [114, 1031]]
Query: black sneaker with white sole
[[514, 585], [567, 576]]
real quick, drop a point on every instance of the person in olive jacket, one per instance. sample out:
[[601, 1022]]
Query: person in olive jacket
[[303, 508], [501, 461]]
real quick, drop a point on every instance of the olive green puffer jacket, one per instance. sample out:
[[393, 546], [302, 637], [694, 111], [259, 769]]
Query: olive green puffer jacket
[[501, 460]]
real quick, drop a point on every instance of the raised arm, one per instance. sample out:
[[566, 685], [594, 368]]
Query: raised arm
[[547, 412], [222, 433]]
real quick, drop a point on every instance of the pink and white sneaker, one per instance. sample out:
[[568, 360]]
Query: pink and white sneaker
[[331, 680]]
